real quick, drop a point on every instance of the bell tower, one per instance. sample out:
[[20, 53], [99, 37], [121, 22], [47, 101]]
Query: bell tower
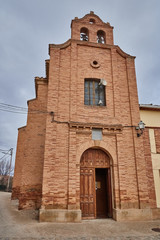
[[92, 29]]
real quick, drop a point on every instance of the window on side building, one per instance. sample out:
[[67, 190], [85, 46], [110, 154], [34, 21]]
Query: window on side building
[[94, 92]]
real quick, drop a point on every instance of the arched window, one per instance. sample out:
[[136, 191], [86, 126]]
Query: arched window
[[84, 34], [101, 37]]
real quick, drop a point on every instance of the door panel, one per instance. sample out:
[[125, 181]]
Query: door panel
[[101, 193], [95, 158], [87, 193], [109, 193], [95, 203]]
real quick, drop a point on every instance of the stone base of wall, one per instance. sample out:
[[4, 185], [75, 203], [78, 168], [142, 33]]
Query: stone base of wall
[[15, 193], [30, 197], [156, 213], [59, 215], [15, 202], [135, 214], [65, 215]]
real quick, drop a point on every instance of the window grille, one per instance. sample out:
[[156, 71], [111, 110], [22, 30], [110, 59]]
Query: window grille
[[94, 92]]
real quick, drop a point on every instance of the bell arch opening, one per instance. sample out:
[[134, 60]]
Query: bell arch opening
[[84, 34], [95, 184]]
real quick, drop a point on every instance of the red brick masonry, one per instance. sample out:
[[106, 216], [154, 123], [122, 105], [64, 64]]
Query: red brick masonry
[[49, 148]]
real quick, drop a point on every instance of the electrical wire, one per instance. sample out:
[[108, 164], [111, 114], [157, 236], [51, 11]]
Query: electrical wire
[[12, 106], [1, 150], [22, 110], [12, 111], [17, 109]]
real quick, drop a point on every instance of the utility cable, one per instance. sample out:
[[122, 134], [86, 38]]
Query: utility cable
[[1, 150], [17, 109], [12, 106]]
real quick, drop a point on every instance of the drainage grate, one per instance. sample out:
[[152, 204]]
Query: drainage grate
[[156, 229]]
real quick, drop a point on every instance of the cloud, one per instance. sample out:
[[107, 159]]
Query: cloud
[[27, 27]]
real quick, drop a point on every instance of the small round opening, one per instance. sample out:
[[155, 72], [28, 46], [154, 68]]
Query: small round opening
[[91, 21], [95, 62]]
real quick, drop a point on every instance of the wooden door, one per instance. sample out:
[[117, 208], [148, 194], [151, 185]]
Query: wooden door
[[101, 193], [87, 193], [109, 193], [91, 160]]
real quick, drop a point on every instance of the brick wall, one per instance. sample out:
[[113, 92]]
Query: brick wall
[[19, 163], [157, 139], [70, 64], [54, 146], [77, 24], [30, 151], [151, 187]]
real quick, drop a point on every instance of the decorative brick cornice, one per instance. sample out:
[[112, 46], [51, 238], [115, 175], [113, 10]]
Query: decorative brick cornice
[[61, 46], [90, 44], [122, 53], [22, 128], [87, 127], [91, 14]]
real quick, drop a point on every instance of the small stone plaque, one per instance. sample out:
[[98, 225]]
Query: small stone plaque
[[96, 134]]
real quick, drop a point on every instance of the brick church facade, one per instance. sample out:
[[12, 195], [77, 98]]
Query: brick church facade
[[79, 156]]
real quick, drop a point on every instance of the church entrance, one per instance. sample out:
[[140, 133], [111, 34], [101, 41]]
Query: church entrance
[[95, 185]]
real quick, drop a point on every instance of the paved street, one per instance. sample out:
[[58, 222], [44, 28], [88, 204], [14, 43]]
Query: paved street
[[23, 225]]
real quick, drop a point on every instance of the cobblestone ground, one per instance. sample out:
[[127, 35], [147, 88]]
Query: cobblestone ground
[[23, 225], [85, 238]]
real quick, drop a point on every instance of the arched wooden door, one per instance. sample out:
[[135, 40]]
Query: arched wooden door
[[95, 184]]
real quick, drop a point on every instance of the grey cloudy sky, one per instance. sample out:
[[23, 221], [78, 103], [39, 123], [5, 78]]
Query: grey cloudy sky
[[27, 27]]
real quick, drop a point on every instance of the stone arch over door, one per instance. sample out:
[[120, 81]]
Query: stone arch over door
[[94, 163]]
